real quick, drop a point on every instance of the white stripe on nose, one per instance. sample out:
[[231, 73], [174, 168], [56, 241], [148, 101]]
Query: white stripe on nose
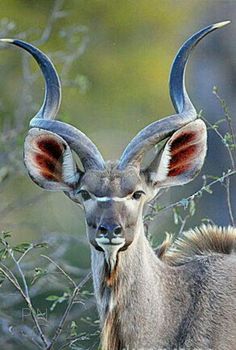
[[106, 199]]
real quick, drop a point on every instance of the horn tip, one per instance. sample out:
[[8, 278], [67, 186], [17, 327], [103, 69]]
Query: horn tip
[[220, 24], [7, 40]]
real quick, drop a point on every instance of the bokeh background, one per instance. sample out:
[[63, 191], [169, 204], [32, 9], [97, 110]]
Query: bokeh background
[[114, 60]]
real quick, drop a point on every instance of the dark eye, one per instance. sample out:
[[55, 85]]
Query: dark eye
[[137, 195], [85, 195]]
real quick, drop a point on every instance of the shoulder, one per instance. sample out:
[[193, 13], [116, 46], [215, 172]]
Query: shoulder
[[206, 240]]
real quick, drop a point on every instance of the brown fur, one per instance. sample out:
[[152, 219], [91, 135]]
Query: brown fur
[[111, 277], [164, 246], [205, 240], [111, 338]]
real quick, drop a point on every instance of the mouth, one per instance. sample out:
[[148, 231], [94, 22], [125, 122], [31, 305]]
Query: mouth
[[110, 241], [111, 248]]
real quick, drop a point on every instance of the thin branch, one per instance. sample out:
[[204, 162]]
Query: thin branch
[[56, 11], [25, 253], [13, 281], [69, 306], [21, 273], [183, 223], [227, 115], [223, 140], [229, 202], [10, 272], [198, 193], [28, 300], [60, 269]]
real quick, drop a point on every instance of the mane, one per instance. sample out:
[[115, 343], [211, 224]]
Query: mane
[[202, 241]]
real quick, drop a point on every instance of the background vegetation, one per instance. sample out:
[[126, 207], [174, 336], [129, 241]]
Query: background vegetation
[[114, 60]]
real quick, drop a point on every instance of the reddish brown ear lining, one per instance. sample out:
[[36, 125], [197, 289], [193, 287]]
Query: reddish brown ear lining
[[50, 146], [179, 170], [49, 168], [182, 141], [183, 156], [48, 158], [49, 161], [50, 176], [183, 152]]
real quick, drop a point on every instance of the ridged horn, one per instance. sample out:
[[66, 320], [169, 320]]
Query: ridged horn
[[44, 119], [159, 130]]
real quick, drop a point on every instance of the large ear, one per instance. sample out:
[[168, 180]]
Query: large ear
[[49, 161], [182, 157]]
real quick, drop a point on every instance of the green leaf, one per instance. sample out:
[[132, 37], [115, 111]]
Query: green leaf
[[57, 300], [207, 189], [158, 207], [52, 297], [21, 248], [215, 89], [73, 329], [6, 234], [39, 272], [192, 207], [176, 217], [41, 245], [4, 172], [4, 254]]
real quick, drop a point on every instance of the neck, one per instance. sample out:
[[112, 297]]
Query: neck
[[124, 293]]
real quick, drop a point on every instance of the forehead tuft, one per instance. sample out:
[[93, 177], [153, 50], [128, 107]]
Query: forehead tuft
[[111, 181]]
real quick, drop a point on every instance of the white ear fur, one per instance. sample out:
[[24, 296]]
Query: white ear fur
[[181, 158], [49, 161]]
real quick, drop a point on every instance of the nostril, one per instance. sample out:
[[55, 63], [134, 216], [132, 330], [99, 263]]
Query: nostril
[[103, 230], [117, 230]]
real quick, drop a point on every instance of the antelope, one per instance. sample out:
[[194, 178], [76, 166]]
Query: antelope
[[184, 295]]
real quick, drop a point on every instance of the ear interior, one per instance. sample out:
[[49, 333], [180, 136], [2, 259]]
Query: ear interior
[[181, 158], [49, 160]]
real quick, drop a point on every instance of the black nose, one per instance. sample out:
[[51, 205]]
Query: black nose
[[109, 230]]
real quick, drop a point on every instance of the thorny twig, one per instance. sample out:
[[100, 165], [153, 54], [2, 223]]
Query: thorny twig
[[229, 148], [192, 196], [222, 139], [25, 296], [227, 117], [227, 185], [69, 306]]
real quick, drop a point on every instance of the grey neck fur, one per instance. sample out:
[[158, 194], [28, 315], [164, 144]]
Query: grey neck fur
[[142, 288], [152, 305]]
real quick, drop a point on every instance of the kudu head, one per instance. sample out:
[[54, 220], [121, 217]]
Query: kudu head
[[113, 193]]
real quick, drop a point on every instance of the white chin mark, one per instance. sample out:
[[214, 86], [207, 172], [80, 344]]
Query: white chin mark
[[111, 250]]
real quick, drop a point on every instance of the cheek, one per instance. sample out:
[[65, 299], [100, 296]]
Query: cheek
[[91, 233], [131, 213], [91, 213]]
